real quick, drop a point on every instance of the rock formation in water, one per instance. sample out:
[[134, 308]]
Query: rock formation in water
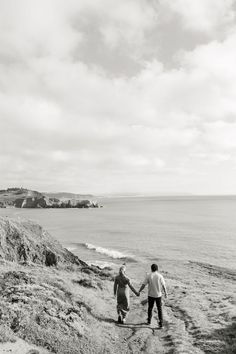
[[25, 198]]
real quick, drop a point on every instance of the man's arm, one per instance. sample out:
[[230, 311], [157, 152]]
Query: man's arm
[[145, 282], [142, 287], [164, 286]]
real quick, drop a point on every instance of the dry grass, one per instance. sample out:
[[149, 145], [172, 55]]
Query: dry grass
[[38, 305], [6, 334]]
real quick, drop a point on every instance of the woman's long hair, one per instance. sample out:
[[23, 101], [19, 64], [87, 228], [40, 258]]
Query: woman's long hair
[[122, 270]]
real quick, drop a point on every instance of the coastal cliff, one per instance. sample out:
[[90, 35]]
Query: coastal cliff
[[25, 198], [52, 302], [23, 241], [47, 294]]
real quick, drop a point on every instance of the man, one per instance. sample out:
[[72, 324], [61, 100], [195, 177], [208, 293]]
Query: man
[[156, 283]]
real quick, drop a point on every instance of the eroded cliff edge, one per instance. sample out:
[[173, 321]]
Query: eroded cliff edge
[[46, 293]]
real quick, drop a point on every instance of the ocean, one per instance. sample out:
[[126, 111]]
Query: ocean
[[141, 230]]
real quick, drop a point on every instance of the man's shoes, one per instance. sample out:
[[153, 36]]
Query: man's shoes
[[160, 325], [148, 322], [119, 319], [124, 320]]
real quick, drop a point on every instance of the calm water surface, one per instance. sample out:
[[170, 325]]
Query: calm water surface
[[143, 229]]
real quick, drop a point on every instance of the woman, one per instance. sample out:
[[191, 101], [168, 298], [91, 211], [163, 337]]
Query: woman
[[121, 291]]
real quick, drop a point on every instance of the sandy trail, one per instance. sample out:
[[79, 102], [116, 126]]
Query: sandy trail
[[21, 347], [199, 316], [177, 335]]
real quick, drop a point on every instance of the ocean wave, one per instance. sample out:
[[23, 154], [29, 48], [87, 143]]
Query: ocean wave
[[101, 264], [71, 249], [110, 253]]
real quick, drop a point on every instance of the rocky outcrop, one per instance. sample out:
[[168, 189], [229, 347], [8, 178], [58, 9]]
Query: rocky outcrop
[[31, 202], [25, 198], [26, 242]]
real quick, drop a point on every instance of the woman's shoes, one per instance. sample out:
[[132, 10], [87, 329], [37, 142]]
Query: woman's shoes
[[121, 320]]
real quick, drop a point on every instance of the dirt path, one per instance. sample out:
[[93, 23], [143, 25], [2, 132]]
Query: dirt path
[[199, 317], [176, 337]]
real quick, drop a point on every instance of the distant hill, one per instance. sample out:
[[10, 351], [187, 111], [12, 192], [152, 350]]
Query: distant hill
[[68, 195], [26, 198], [9, 196]]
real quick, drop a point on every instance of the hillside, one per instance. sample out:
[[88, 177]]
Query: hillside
[[23, 241], [45, 293], [26, 198], [67, 195]]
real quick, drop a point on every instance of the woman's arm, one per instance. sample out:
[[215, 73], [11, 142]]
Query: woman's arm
[[115, 286], [132, 288]]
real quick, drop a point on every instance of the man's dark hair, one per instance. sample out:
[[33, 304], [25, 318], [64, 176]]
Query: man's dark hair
[[154, 267]]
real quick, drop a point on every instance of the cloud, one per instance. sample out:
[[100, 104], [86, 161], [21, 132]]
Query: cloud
[[74, 124], [31, 29], [207, 16], [221, 134]]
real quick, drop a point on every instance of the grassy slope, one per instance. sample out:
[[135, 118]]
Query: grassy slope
[[49, 307], [12, 195]]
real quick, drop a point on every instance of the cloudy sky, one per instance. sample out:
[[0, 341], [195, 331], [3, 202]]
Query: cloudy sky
[[107, 96]]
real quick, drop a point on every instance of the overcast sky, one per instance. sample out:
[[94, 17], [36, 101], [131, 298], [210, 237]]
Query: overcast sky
[[117, 96]]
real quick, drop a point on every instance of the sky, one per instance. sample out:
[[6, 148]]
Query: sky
[[128, 96]]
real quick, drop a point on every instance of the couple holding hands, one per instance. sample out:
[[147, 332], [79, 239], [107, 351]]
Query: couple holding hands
[[156, 284]]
